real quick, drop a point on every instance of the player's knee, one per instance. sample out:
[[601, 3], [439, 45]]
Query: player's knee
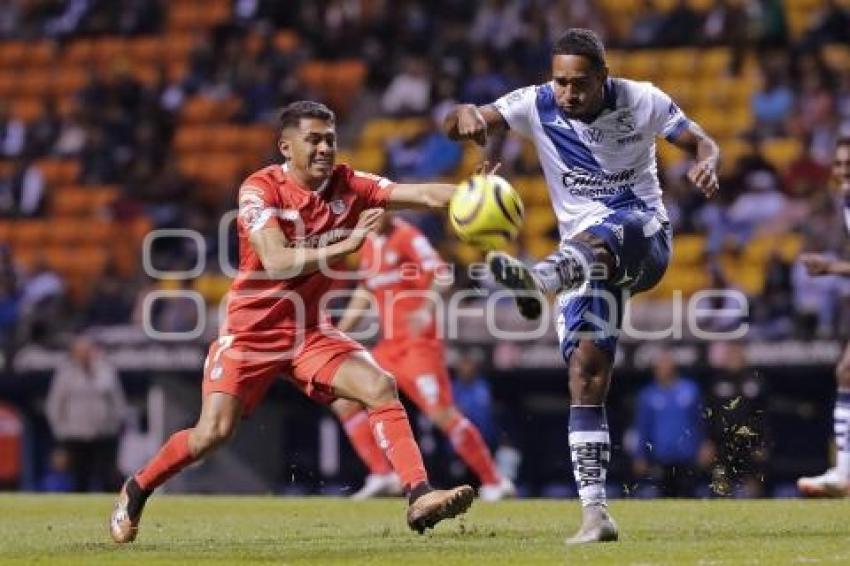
[[379, 389], [212, 433], [444, 417], [589, 371]]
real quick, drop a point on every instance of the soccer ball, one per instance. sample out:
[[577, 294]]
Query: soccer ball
[[486, 211]]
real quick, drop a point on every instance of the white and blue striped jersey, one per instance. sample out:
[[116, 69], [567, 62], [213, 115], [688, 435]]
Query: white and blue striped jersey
[[594, 168]]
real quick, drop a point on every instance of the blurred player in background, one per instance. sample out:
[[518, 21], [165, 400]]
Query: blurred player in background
[[595, 138], [835, 482], [401, 266], [295, 222]]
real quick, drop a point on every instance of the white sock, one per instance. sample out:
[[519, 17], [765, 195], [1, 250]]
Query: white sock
[[590, 447], [841, 422]]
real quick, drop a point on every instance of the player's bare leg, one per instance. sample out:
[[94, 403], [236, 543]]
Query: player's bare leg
[[359, 379], [470, 446], [590, 376], [835, 482], [220, 414], [382, 480]]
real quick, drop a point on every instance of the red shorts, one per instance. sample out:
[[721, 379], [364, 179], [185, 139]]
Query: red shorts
[[419, 367], [245, 365]]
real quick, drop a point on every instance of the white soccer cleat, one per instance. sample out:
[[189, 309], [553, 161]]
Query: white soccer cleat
[[596, 526], [505, 489], [828, 484], [377, 485]]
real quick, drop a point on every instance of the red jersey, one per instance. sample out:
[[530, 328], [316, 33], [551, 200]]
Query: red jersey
[[308, 219], [399, 268]]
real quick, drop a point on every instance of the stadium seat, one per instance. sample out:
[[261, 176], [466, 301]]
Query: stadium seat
[[539, 220], [781, 152], [29, 233], [688, 249], [12, 53], [680, 62], [59, 171], [200, 109]]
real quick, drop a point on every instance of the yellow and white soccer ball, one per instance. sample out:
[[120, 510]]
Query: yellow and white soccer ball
[[486, 211]]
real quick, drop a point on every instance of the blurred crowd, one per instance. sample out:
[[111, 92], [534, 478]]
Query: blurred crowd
[[420, 56]]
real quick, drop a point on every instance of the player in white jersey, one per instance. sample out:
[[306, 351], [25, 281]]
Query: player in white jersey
[[595, 138], [835, 482]]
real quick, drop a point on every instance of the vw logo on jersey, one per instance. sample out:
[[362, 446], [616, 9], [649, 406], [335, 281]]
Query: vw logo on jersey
[[338, 206], [626, 122], [592, 135], [560, 122]]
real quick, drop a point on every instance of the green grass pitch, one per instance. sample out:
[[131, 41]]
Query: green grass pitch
[[48, 529]]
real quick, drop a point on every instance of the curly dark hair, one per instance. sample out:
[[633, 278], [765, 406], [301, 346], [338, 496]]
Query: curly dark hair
[[292, 113], [584, 42]]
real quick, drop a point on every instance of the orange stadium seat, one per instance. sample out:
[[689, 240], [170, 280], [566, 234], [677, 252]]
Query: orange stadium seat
[[6, 228], [78, 52], [40, 53], [145, 49], [34, 82], [286, 41], [207, 110], [539, 220], [781, 152], [12, 53], [679, 62], [8, 82], [70, 80], [29, 233], [177, 46], [59, 171]]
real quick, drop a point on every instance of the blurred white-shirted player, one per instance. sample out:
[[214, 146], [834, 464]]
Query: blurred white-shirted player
[[595, 138], [835, 482]]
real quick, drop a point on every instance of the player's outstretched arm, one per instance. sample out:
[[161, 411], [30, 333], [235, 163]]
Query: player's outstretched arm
[[471, 122], [421, 195], [699, 144], [361, 302], [282, 262], [819, 264]]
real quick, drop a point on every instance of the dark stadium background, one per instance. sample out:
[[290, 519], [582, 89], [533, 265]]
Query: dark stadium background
[[122, 117]]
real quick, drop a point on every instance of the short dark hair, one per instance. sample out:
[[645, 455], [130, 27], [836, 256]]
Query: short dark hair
[[843, 140], [291, 115], [580, 41]]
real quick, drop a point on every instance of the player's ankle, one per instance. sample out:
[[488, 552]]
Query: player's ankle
[[137, 497], [417, 491]]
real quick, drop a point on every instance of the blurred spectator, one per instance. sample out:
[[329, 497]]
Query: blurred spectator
[[772, 104], [410, 91], [773, 313], [11, 446], [670, 444], [646, 25], [829, 25], [483, 84], [111, 300], [681, 25], [471, 391], [58, 478], [85, 409], [426, 155], [805, 176], [44, 130], [22, 194], [497, 24], [725, 309], [13, 132], [727, 23], [41, 302], [738, 423]]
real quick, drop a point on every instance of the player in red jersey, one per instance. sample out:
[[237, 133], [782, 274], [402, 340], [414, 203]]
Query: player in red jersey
[[400, 267], [296, 221]]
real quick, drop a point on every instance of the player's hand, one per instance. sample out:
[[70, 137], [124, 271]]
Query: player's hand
[[703, 174], [471, 124], [368, 221], [484, 168], [417, 321], [816, 264]]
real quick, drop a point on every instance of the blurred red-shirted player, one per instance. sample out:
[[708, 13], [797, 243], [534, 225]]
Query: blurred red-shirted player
[[295, 222], [399, 267]]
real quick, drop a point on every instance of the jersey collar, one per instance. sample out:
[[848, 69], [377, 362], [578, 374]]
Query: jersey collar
[[285, 168]]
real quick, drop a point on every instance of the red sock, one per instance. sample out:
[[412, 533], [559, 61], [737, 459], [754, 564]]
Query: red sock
[[171, 458], [392, 434], [357, 428], [469, 445]]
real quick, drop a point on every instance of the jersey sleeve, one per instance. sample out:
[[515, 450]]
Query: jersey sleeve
[[517, 108], [258, 204], [665, 117], [372, 190]]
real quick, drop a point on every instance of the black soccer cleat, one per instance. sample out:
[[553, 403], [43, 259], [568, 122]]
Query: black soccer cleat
[[515, 275]]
